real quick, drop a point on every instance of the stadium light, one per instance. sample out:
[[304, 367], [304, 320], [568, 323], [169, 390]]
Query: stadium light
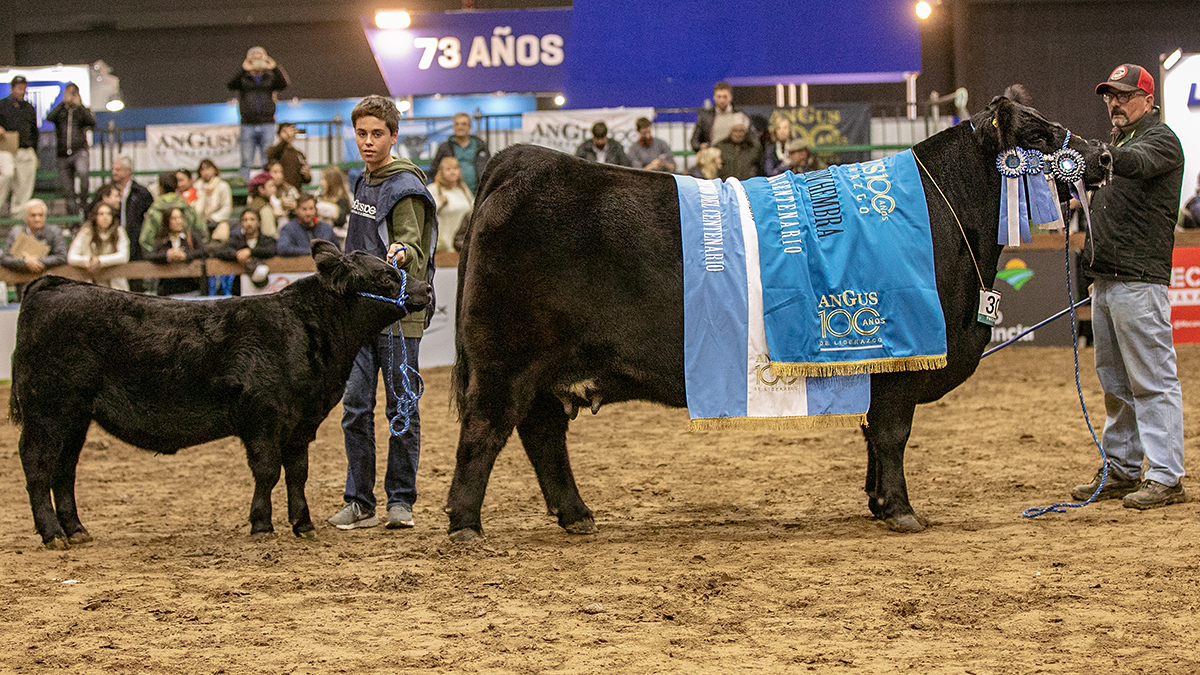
[[392, 18], [559, 100], [115, 105], [923, 10]]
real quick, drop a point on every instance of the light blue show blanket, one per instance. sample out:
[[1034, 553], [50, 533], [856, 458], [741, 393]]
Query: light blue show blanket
[[805, 275]]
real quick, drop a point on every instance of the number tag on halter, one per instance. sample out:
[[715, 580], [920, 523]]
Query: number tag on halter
[[989, 307]]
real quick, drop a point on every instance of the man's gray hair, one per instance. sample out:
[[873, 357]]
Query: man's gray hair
[[32, 203], [124, 160]]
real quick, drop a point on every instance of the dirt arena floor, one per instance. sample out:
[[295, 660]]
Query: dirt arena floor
[[717, 552]]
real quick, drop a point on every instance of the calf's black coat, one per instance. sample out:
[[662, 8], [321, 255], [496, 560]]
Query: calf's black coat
[[167, 374], [589, 257]]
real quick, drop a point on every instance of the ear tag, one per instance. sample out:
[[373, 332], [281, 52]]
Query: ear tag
[[989, 307]]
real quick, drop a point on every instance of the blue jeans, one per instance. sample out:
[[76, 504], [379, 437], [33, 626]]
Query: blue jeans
[[1135, 361], [252, 137], [358, 427]]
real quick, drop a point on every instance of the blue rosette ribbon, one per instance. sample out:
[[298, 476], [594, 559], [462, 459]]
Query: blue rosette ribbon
[[1014, 212], [1042, 194]]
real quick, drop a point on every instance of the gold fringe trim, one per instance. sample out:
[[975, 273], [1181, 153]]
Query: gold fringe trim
[[893, 365], [777, 423]]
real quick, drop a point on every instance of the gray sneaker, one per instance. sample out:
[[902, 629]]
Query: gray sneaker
[[399, 515], [1152, 494], [352, 516]]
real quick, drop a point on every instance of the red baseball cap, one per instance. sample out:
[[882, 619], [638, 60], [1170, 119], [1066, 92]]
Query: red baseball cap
[[1127, 77]]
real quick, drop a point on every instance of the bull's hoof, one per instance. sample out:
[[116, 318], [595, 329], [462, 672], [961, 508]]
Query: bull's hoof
[[80, 537], [57, 544], [260, 536], [906, 523], [585, 526], [465, 535], [311, 535]]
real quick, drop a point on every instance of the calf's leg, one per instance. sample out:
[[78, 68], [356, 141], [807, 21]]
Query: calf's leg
[[64, 484], [544, 434], [264, 458], [295, 466], [41, 453]]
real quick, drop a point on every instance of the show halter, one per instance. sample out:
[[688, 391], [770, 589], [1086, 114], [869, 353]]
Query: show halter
[[406, 405]]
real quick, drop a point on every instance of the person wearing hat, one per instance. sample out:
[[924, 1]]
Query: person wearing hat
[[18, 160], [799, 155], [259, 191], [741, 156], [1127, 256]]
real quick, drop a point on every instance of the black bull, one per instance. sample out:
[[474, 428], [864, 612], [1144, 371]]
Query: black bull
[[570, 294], [167, 374]]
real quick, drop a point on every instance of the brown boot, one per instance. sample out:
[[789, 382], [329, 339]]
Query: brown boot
[[1152, 494], [1114, 488]]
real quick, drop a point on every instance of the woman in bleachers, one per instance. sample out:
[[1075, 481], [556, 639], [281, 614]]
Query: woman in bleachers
[[258, 197], [286, 194], [214, 200], [334, 205], [708, 164], [101, 243], [175, 244], [775, 158], [454, 202]]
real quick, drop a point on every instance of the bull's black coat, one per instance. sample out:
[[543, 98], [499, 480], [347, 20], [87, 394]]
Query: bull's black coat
[[571, 295], [167, 374]]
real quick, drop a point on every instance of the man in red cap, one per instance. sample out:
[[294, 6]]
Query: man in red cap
[[1128, 258]]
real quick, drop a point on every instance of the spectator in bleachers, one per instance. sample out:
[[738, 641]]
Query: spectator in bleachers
[[258, 197], [71, 121], [470, 151], [295, 237], [36, 247], [648, 152], [176, 243], [454, 202], [1189, 215], [741, 156], [18, 156], [286, 194], [249, 246], [186, 188], [334, 202], [602, 149], [800, 157], [214, 201], [110, 194], [295, 167], [775, 158], [256, 84], [713, 124], [100, 243], [154, 224], [135, 202], [708, 164]]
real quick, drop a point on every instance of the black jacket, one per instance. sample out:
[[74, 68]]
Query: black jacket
[[71, 123], [1133, 216], [133, 212], [613, 152], [17, 115], [257, 103], [263, 249]]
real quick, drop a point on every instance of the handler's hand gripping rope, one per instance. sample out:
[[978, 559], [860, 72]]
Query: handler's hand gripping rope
[[406, 405]]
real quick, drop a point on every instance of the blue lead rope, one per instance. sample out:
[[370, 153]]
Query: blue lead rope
[[1062, 507], [406, 405]]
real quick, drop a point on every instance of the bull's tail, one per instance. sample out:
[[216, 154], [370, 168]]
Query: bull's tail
[[14, 410]]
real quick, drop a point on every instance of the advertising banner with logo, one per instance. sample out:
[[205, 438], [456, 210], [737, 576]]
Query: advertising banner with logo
[[473, 52], [171, 146], [1180, 99], [1185, 294], [1033, 287], [822, 124], [564, 130]]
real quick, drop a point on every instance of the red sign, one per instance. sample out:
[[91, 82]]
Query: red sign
[[1185, 294]]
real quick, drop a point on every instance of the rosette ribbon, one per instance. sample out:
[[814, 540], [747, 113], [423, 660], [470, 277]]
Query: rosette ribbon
[[1014, 202], [1067, 165], [1044, 211]]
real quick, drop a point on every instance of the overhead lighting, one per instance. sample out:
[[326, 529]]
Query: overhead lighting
[[392, 18], [1172, 59], [923, 10], [115, 105], [404, 105], [559, 100]]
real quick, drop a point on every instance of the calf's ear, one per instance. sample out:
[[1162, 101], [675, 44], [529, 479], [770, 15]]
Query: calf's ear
[[1004, 122], [332, 269]]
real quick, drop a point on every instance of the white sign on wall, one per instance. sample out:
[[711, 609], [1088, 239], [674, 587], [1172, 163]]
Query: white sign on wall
[[1180, 101], [564, 130], [171, 146]]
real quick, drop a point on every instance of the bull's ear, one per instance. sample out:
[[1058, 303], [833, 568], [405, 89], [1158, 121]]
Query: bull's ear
[[332, 269], [1004, 118]]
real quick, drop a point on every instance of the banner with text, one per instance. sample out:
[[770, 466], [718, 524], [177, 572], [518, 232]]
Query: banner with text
[[564, 130], [821, 124], [174, 146], [1185, 294]]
